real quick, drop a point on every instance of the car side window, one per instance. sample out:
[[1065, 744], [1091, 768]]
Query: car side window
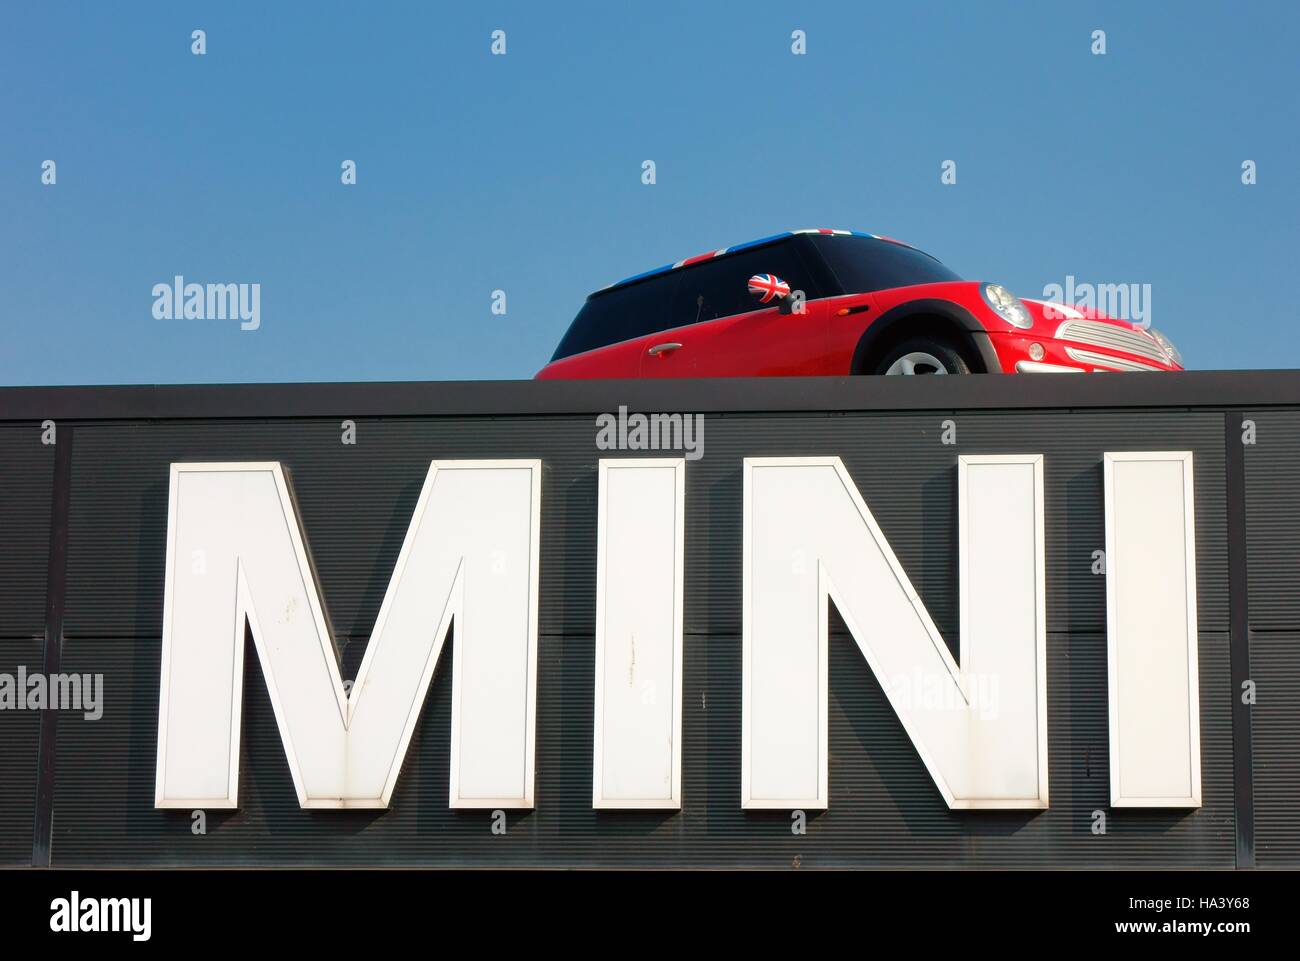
[[720, 287], [614, 316]]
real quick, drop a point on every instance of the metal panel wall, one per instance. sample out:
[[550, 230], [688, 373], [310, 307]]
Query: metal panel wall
[[1272, 467], [356, 501], [26, 471]]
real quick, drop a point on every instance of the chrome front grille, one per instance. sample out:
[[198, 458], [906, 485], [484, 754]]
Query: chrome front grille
[[1113, 337], [1106, 360]]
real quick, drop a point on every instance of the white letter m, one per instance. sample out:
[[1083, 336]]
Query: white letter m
[[236, 554]]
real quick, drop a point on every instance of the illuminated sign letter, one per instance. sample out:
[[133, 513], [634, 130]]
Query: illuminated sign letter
[[639, 561], [980, 726], [236, 556], [1155, 728]]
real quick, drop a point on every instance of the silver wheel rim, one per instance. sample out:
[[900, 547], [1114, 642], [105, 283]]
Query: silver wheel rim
[[917, 362]]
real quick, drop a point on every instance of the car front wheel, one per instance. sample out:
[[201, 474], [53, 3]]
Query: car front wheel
[[923, 355]]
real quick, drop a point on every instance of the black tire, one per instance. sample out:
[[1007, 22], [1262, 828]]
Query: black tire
[[937, 352]]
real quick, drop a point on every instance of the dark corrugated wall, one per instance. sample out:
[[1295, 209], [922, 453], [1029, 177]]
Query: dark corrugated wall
[[355, 503], [1273, 542], [26, 473]]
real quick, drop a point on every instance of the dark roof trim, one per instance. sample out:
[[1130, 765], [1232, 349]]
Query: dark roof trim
[[1209, 389]]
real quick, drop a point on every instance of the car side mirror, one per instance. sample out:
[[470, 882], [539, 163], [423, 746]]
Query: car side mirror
[[766, 288]]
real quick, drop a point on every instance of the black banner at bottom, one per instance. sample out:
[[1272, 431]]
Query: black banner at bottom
[[338, 908]]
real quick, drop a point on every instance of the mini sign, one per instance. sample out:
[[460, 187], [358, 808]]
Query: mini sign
[[238, 561]]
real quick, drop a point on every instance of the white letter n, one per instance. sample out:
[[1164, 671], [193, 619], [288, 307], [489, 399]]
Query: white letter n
[[470, 554], [979, 726]]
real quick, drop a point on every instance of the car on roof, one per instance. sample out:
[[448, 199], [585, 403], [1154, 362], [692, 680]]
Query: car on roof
[[836, 302]]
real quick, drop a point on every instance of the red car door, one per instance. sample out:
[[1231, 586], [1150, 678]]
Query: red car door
[[759, 343], [718, 329]]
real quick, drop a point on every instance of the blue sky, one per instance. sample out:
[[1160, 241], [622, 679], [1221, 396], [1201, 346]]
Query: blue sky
[[523, 173]]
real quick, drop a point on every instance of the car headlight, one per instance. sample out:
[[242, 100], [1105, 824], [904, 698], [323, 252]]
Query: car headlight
[[1166, 345], [1007, 306]]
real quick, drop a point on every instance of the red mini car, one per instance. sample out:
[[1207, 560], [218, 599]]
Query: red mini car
[[835, 302]]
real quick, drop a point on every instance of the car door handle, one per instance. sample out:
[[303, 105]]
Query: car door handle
[[658, 349]]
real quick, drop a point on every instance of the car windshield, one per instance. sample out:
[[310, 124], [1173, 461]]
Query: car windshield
[[864, 264]]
